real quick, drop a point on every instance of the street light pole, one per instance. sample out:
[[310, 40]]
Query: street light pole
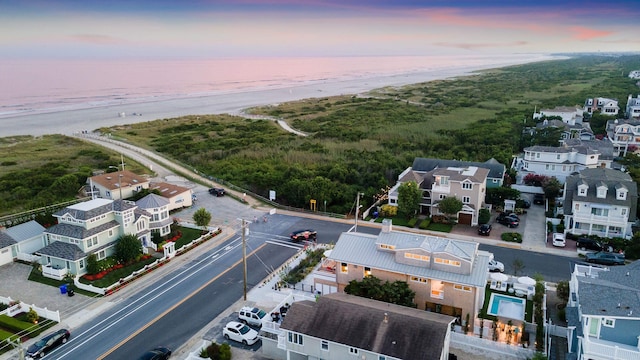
[[244, 258], [355, 228]]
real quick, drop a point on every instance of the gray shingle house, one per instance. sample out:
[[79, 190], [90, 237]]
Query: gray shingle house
[[341, 326]]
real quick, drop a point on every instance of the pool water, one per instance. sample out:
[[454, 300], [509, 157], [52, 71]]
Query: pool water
[[497, 299]]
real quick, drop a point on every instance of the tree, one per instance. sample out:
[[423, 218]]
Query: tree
[[484, 215], [450, 205], [92, 264], [128, 248], [409, 197], [518, 266], [371, 287], [202, 218], [562, 290], [551, 187]]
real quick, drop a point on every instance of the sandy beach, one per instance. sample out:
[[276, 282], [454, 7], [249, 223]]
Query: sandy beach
[[232, 102]]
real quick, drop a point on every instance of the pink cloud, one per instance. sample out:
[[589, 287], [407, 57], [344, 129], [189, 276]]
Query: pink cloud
[[584, 33], [95, 39], [472, 46]]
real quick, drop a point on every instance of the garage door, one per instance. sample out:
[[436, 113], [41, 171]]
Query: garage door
[[465, 219]]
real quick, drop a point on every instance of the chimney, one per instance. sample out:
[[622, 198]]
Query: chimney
[[386, 225]]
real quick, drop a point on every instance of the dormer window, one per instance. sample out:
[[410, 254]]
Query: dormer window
[[621, 194], [582, 190], [602, 192]]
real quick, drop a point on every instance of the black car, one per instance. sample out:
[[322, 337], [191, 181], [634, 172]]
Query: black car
[[538, 199], [300, 235], [48, 343], [605, 258], [159, 353], [484, 229], [216, 191], [523, 203], [508, 220], [588, 244]]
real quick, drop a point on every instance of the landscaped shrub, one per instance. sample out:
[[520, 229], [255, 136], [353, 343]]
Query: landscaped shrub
[[484, 216], [16, 325], [387, 210], [412, 222], [304, 267], [424, 225], [512, 237]]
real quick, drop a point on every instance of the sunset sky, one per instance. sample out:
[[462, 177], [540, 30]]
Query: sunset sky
[[231, 28]]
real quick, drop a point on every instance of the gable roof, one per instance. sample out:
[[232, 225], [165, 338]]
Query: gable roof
[[90, 209], [622, 286], [62, 250], [496, 169], [361, 249], [601, 177], [6, 240], [168, 190], [25, 231], [117, 179], [397, 331]]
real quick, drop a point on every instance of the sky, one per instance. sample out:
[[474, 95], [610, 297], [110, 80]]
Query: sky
[[105, 29]]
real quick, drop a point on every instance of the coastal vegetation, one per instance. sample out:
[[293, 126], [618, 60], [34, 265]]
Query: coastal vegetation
[[361, 143]]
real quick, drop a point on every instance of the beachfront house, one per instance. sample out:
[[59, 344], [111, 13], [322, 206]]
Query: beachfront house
[[158, 208], [600, 202], [438, 179], [633, 107], [178, 196], [90, 227], [116, 185], [624, 134], [602, 105], [635, 74], [568, 114], [21, 242], [603, 312], [448, 275], [341, 326]]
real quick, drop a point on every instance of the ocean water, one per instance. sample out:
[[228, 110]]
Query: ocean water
[[36, 86]]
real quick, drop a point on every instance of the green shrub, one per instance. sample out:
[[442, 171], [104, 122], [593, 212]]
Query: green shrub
[[387, 210], [484, 216], [512, 237], [412, 222], [16, 325], [424, 225]]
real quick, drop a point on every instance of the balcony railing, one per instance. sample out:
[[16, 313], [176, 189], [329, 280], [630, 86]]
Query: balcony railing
[[603, 349], [54, 272]]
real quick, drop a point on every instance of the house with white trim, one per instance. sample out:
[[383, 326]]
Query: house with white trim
[[91, 227], [178, 196], [602, 105], [570, 115], [600, 202], [116, 185], [603, 313], [21, 242], [633, 107], [624, 134], [158, 208], [635, 74]]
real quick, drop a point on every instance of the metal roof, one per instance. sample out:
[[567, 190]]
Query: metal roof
[[25, 231]]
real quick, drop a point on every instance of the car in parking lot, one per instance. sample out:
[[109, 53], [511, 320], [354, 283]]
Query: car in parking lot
[[48, 343], [240, 332], [252, 316], [508, 220], [605, 258], [558, 240], [496, 266], [300, 235], [159, 353], [216, 191], [538, 199], [523, 203], [484, 229], [584, 243]]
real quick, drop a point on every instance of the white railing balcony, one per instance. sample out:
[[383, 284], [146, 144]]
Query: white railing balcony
[[602, 349], [54, 272]]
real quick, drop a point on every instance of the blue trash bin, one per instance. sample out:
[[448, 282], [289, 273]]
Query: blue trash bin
[[63, 289]]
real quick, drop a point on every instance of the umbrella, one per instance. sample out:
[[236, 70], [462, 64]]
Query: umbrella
[[525, 280], [499, 276]]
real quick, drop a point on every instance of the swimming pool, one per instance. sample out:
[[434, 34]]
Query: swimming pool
[[506, 306]]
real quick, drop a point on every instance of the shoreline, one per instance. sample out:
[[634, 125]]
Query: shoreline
[[87, 118]]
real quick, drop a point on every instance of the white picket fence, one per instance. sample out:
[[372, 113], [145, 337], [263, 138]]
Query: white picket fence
[[19, 307]]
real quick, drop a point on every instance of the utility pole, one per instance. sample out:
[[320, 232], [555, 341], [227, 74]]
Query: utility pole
[[355, 228], [244, 256]]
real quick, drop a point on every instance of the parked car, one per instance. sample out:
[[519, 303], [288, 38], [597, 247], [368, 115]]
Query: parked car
[[538, 199], [251, 316], [605, 258], [216, 191], [496, 266], [588, 244], [523, 203], [48, 343], [484, 229], [240, 332], [300, 235], [508, 220], [159, 353], [558, 240]]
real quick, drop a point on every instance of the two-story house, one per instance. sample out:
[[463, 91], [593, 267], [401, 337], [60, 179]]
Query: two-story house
[[578, 131], [158, 208], [467, 183], [624, 134], [602, 105], [178, 196], [561, 161], [341, 326], [600, 202], [116, 185], [635, 74], [633, 107], [569, 115], [91, 227], [448, 275], [603, 313]]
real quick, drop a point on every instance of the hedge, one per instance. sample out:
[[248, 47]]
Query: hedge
[[17, 325]]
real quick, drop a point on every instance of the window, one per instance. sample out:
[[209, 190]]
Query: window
[[353, 351], [81, 263], [437, 289], [344, 268], [110, 233], [367, 271], [599, 212], [92, 242], [447, 262], [623, 211], [462, 287], [558, 157], [425, 258], [608, 322], [537, 155], [324, 345], [295, 338], [622, 195], [467, 186], [466, 199], [442, 196], [382, 357], [418, 279], [101, 255], [602, 192]]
